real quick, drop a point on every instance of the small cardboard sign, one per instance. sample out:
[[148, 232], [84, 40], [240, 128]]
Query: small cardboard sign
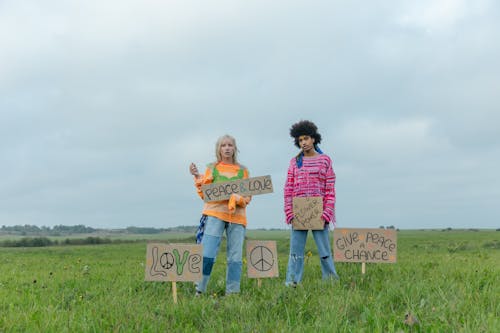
[[365, 245], [307, 213], [173, 262], [244, 187], [262, 259]]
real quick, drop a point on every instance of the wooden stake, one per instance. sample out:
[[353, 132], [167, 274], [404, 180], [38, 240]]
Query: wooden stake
[[174, 291], [363, 268], [259, 282]]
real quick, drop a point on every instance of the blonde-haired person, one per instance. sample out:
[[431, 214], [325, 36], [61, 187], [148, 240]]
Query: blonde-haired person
[[225, 215]]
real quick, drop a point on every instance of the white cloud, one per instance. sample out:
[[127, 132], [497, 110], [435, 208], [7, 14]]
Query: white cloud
[[433, 15]]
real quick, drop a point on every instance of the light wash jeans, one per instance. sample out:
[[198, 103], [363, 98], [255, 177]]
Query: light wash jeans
[[235, 235], [298, 240]]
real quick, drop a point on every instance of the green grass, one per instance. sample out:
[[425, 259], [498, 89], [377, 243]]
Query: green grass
[[448, 280]]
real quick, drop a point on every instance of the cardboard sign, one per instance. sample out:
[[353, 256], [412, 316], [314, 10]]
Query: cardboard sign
[[262, 259], [307, 213], [365, 245], [174, 262], [245, 187]]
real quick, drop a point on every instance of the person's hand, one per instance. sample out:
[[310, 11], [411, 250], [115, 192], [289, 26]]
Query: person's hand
[[325, 222], [234, 200], [193, 170]]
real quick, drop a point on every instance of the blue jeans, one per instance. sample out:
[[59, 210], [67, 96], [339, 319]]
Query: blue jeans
[[235, 235], [298, 240]]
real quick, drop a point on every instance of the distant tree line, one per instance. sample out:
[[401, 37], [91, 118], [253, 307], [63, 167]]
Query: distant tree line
[[44, 241], [62, 230], [139, 230], [57, 230], [145, 230], [182, 228]]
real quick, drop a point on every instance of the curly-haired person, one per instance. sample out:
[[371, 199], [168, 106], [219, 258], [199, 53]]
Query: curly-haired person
[[310, 174]]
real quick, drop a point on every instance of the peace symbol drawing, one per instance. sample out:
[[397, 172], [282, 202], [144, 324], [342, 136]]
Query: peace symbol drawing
[[262, 259], [166, 259]]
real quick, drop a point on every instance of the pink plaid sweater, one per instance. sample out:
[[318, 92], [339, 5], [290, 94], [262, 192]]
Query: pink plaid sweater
[[316, 178]]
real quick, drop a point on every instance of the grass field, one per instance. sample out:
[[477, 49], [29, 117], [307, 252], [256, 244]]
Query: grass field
[[449, 281]]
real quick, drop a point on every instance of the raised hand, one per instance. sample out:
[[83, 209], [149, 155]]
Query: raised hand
[[193, 170]]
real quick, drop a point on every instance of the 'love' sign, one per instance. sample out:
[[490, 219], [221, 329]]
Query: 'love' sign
[[173, 262]]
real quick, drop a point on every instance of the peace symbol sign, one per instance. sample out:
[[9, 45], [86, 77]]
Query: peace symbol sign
[[261, 258]]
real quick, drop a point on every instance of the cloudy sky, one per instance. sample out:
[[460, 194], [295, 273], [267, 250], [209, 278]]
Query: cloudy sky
[[103, 105]]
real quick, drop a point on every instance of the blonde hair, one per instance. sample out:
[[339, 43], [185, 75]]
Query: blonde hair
[[218, 144]]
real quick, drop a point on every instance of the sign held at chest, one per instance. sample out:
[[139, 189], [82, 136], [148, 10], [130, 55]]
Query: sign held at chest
[[244, 187], [307, 213]]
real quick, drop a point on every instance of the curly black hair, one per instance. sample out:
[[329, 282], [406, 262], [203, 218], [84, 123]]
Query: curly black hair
[[305, 127]]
